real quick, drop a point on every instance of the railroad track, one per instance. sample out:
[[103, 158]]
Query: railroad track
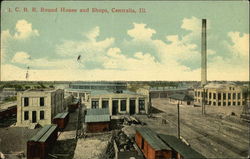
[[213, 138]]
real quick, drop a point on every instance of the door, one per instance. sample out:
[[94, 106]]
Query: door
[[114, 107], [33, 116], [132, 107]]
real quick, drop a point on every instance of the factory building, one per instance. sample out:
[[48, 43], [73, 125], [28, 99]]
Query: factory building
[[119, 102], [220, 94], [39, 106]]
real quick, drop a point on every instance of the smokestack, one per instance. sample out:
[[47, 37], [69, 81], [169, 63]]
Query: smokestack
[[204, 53]]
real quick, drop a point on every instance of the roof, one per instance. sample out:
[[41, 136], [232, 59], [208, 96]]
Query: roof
[[97, 118], [183, 97], [103, 111], [180, 147], [61, 115], [151, 137], [168, 89], [219, 85], [44, 133], [104, 92]]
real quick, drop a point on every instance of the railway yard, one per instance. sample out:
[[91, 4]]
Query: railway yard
[[218, 134]]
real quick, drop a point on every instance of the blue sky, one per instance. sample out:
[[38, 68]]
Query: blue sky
[[161, 44]]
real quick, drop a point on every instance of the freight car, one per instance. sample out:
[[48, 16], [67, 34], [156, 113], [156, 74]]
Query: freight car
[[74, 105], [61, 120], [10, 111], [39, 146]]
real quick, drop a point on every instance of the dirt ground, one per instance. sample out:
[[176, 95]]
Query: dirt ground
[[218, 134], [92, 147], [13, 140]]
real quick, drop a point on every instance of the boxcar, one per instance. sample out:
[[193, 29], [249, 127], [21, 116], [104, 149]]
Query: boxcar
[[151, 145], [10, 111], [74, 105], [39, 146], [61, 120]]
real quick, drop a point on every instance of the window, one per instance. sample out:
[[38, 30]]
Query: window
[[26, 101], [41, 101], [26, 115], [229, 95], [219, 103], [214, 103], [195, 93], [210, 102], [224, 103], [219, 96], [238, 95], [123, 105], [234, 95], [234, 103], [198, 94], [210, 95], [141, 104], [41, 115], [214, 95], [95, 104], [238, 103], [105, 104], [229, 103]]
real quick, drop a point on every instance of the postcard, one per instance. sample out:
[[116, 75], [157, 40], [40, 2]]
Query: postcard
[[170, 78]]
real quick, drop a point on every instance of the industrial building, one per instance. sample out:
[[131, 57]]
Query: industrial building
[[165, 92], [119, 102], [97, 120], [182, 99], [39, 106], [220, 94]]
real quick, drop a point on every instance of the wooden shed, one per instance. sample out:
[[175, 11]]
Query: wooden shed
[[40, 145], [61, 120], [179, 149], [151, 145], [97, 120]]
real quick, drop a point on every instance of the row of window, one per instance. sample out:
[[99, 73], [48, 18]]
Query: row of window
[[26, 101], [123, 103], [224, 103], [26, 115], [220, 95]]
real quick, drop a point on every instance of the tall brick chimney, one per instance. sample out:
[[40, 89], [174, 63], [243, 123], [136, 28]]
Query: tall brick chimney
[[204, 53]]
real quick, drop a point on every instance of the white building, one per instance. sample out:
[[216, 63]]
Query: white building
[[39, 106], [220, 94], [119, 102]]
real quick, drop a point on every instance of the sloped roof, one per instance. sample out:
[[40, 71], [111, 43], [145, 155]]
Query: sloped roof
[[61, 115], [151, 137], [44, 133], [97, 111], [183, 97], [180, 147], [97, 118]]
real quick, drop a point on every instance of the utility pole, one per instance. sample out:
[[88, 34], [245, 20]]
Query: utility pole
[[178, 115]]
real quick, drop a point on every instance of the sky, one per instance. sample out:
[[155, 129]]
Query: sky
[[162, 43]]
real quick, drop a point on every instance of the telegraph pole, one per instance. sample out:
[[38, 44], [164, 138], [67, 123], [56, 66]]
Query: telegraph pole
[[178, 115]]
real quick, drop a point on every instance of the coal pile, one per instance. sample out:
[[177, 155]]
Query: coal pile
[[123, 142], [130, 120]]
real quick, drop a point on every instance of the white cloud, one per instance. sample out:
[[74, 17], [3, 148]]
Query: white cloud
[[21, 57], [24, 30], [192, 24], [5, 36], [141, 32], [88, 49], [240, 44]]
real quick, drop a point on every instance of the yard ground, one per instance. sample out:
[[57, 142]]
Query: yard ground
[[218, 134]]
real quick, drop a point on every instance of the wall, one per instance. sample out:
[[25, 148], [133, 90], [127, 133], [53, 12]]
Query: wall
[[97, 127], [53, 104]]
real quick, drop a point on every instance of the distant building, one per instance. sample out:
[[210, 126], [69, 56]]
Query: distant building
[[165, 92], [220, 94], [182, 99], [119, 102], [39, 106], [7, 92]]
